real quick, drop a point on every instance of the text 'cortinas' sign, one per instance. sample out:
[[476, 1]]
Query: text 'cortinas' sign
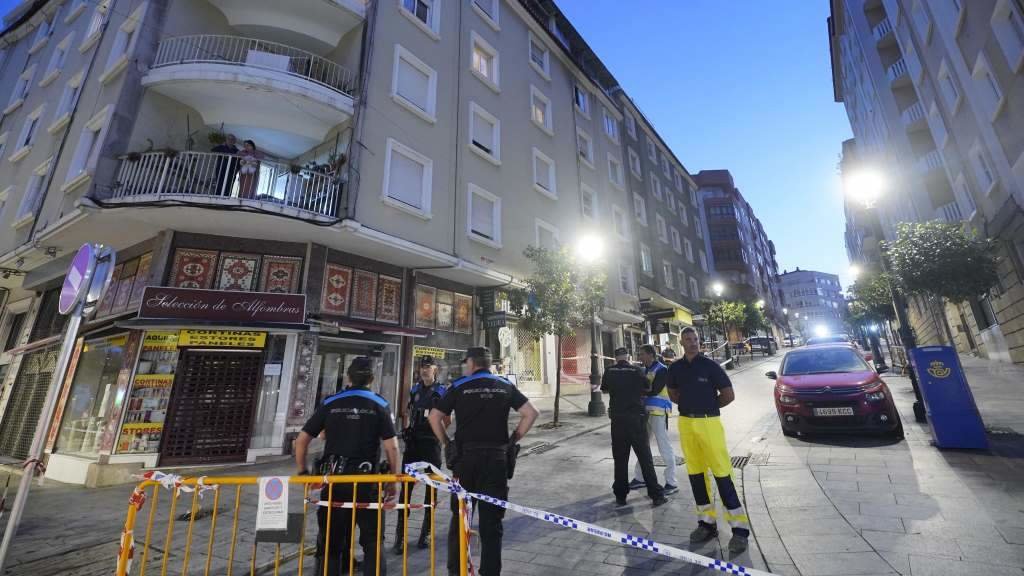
[[222, 306]]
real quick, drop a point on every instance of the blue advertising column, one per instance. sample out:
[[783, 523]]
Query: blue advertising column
[[952, 413]]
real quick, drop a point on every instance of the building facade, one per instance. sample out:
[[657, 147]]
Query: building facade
[[934, 95], [814, 302]]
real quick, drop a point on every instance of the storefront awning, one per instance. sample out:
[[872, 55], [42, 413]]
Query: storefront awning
[[172, 324], [614, 316], [352, 325]]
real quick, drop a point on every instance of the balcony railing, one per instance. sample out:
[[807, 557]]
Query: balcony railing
[[930, 161], [950, 213], [913, 114], [254, 53], [897, 70], [882, 29], [184, 175]]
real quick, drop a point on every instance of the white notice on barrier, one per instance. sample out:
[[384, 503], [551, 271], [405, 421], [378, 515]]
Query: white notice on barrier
[[272, 510]]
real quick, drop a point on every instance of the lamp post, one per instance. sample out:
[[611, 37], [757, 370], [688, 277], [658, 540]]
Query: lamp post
[[719, 289], [589, 250], [789, 333], [866, 187]]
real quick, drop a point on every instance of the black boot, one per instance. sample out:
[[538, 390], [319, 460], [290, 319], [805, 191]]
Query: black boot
[[424, 541], [399, 547]]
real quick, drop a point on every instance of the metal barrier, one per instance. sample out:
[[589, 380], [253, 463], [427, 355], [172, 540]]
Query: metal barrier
[[243, 534]]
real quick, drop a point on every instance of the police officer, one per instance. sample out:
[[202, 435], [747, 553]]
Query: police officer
[[479, 456], [356, 421], [701, 388], [659, 406], [628, 387], [420, 443]]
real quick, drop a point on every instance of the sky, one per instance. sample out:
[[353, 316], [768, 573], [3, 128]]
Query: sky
[[744, 85], [739, 84]]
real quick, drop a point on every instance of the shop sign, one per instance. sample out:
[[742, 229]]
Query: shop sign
[[495, 320], [660, 327], [421, 351], [487, 300], [699, 319], [223, 338], [222, 305], [160, 341]]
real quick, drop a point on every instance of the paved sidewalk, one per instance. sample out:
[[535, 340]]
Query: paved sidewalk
[[835, 506]]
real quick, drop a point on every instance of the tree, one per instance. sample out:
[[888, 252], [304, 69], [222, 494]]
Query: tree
[[727, 315], [561, 295], [940, 259], [754, 319], [872, 299]]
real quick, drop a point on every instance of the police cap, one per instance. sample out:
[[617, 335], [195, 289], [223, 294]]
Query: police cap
[[360, 366], [478, 353], [621, 352], [427, 361]]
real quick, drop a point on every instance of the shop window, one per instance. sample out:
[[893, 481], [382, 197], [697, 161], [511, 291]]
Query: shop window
[[146, 409], [49, 322], [984, 316], [92, 392], [15, 324], [270, 392]]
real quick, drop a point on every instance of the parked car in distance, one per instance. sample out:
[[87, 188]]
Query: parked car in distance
[[830, 388], [762, 344], [792, 340]]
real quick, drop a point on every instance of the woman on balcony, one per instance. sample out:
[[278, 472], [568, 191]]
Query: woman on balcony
[[249, 170]]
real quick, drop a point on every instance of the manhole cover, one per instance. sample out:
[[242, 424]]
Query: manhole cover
[[543, 448], [659, 461], [740, 462]]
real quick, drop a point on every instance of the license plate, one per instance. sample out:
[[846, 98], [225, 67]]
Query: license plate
[[843, 411]]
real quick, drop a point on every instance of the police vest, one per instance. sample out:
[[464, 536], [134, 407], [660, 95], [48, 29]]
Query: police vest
[[660, 404], [419, 417], [479, 376]]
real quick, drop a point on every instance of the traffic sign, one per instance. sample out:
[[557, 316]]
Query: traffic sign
[[77, 280]]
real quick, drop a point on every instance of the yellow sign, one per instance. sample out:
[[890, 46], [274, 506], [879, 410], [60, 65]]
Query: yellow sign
[[154, 380], [223, 338], [142, 427], [684, 317], [938, 369], [420, 351], [160, 340]]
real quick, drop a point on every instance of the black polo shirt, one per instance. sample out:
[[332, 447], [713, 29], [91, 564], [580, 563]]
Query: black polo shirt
[[627, 387], [356, 421], [697, 383], [481, 402]]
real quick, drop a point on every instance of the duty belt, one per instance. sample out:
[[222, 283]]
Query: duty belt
[[482, 446], [333, 464], [698, 415]]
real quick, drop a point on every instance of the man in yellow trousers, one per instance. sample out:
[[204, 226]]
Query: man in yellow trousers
[[701, 388]]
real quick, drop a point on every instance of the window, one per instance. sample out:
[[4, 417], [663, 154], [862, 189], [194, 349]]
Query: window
[[21, 89], [28, 134], [677, 243], [77, 7], [582, 99], [425, 14], [611, 126], [5, 195], [693, 196], [585, 147], [694, 290], [484, 213], [3, 143], [33, 196], [949, 87], [983, 171], [681, 280], [619, 223], [627, 284], [670, 196], [634, 163], [1008, 25], [661, 227], [484, 61], [683, 215], [414, 85], [540, 57], [547, 235], [688, 247], [57, 60], [703, 261], [656, 187], [408, 179], [588, 203], [989, 86], [488, 10], [938, 127], [615, 171], [922, 21], [485, 134], [42, 35], [15, 324], [666, 272], [540, 111], [640, 208], [697, 226], [652, 150], [679, 181], [666, 167], [124, 43], [630, 125], [646, 263], [62, 115], [544, 174], [99, 17], [87, 151], [964, 198]]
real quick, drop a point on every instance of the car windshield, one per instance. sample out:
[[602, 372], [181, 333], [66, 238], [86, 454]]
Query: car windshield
[[827, 340], [823, 361]]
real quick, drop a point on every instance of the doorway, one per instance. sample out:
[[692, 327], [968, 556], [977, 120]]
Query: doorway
[[211, 409]]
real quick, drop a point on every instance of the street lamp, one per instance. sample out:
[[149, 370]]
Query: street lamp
[[719, 289], [590, 249], [866, 186], [854, 272]]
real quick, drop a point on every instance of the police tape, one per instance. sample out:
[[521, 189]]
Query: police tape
[[368, 505], [418, 470]]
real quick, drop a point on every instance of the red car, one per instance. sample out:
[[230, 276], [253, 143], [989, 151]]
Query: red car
[[830, 388]]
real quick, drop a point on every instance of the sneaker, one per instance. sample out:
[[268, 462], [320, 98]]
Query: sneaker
[[620, 502], [703, 533], [737, 544], [671, 489], [637, 484], [659, 501]]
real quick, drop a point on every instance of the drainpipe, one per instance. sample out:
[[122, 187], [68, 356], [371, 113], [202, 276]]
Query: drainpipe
[[356, 145]]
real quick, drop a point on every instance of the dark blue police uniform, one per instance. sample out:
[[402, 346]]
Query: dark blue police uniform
[[420, 446]]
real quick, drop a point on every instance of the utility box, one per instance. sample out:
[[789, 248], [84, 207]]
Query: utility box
[[952, 413]]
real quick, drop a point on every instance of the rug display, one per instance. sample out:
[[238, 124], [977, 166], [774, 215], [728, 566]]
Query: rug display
[[238, 272], [389, 305], [463, 313], [364, 297], [445, 310], [280, 274], [337, 290], [141, 279], [193, 268]]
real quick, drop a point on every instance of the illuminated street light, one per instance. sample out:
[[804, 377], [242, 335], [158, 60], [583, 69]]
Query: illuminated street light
[[759, 303], [865, 186], [718, 289], [589, 248], [820, 330], [854, 271], [785, 311]]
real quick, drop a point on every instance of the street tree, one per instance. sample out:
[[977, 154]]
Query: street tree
[[754, 319], [727, 315], [872, 299], [561, 296]]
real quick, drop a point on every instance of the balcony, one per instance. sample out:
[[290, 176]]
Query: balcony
[[897, 73], [205, 178], [914, 117], [314, 25], [261, 90], [883, 33], [949, 213], [930, 161]]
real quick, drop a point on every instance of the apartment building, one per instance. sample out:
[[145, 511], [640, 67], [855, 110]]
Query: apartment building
[[818, 299], [322, 180], [742, 256], [934, 95], [672, 262]]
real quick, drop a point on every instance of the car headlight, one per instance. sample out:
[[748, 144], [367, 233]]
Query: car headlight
[[876, 396], [787, 399]]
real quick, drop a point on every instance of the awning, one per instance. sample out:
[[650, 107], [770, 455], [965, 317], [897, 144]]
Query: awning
[[36, 345], [357, 327], [173, 324], [615, 316], [88, 330]]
